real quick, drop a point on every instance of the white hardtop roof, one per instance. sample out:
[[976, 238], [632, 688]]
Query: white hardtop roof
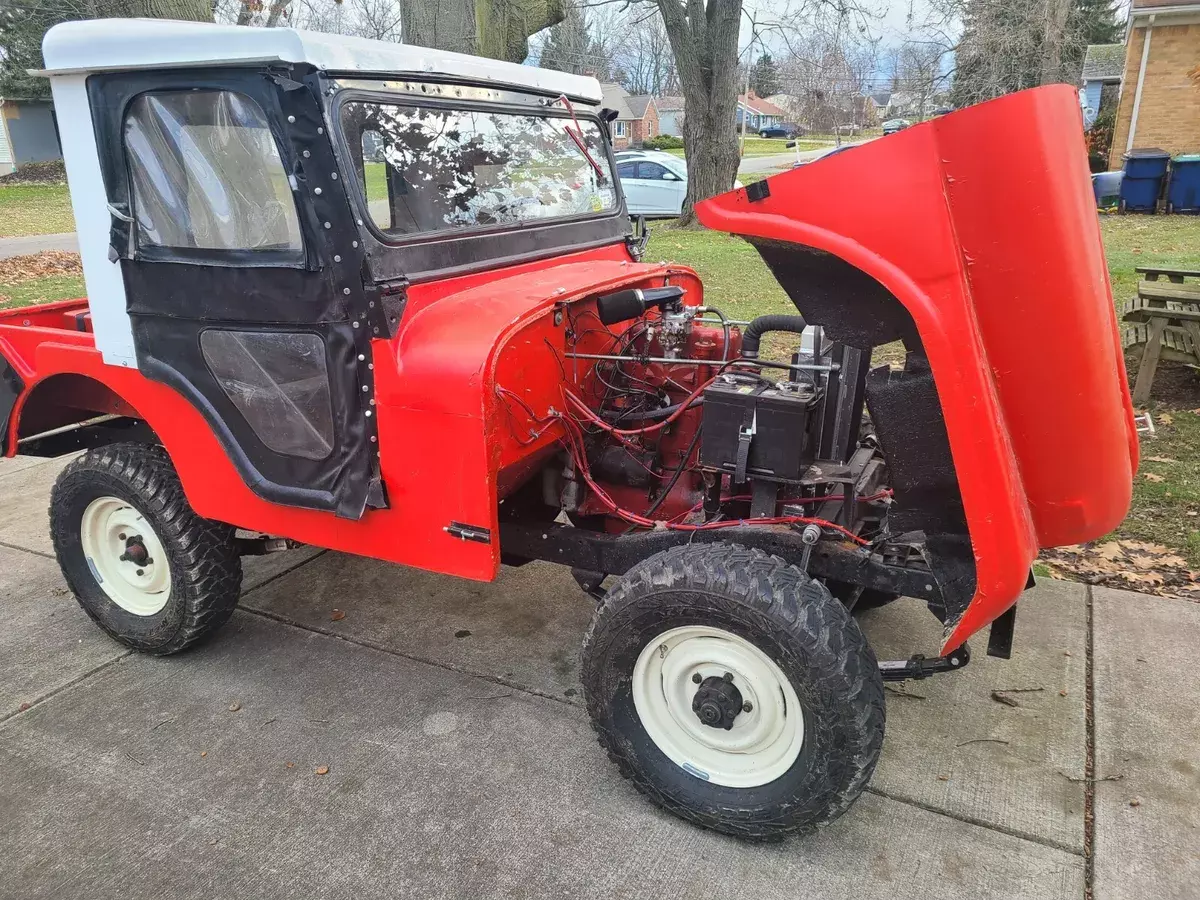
[[116, 45]]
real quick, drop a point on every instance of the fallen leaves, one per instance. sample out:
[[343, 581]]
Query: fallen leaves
[[337, 615], [1150, 476], [1137, 565], [322, 770], [1166, 418], [1135, 801], [234, 706], [16, 269]]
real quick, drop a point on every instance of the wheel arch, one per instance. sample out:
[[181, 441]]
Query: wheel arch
[[66, 411]]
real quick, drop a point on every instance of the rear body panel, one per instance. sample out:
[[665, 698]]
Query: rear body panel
[[1009, 293]]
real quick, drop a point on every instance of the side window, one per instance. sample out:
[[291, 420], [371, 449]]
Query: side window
[[279, 383], [206, 174], [651, 171], [627, 170]]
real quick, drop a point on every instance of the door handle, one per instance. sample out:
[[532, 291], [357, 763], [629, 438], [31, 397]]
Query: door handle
[[117, 213]]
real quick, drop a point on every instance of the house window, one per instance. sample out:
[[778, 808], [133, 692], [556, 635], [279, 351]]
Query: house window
[[620, 132], [206, 174]]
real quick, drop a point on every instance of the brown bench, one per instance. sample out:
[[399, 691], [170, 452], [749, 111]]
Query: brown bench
[[1164, 323]]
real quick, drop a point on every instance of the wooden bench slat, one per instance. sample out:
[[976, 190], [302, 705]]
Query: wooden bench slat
[[1176, 343], [1143, 309], [1160, 290]]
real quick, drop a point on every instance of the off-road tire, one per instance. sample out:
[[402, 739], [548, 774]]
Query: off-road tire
[[205, 568], [800, 626]]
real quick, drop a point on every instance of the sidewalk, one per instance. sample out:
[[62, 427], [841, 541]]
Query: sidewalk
[[36, 243], [461, 763]]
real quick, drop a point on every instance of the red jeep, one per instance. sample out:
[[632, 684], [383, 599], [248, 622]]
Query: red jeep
[[388, 301]]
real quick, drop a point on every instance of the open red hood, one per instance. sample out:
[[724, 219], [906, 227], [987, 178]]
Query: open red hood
[[983, 225]]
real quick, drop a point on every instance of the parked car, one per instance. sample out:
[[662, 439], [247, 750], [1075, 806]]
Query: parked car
[[891, 126], [654, 182], [782, 130]]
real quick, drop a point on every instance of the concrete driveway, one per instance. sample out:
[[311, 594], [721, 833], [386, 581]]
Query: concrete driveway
[[460, 763]]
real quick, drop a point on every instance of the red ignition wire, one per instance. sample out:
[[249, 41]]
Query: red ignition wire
[[587, 413], [575, 448]]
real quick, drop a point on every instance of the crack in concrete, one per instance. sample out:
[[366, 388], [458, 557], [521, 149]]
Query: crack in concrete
[[981, 823], [1089, 762], [54, 692], [392, 651], [9, 546]]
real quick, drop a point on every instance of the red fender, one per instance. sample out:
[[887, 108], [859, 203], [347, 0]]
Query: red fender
[[982, 223]]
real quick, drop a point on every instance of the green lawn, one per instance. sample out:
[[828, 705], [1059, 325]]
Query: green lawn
[[756, 146], [40, 290], [1166, 507], [35, 209]]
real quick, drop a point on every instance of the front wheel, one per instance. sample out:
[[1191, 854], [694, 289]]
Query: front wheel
[[734, 691], [149, 571]]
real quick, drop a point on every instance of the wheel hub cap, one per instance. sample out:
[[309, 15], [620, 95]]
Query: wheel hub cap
[[125, 556], [718, 706], [718, 701]]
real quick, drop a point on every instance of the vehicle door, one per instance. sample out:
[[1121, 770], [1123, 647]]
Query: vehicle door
[[240, 261], [663, 191], [637, 197]]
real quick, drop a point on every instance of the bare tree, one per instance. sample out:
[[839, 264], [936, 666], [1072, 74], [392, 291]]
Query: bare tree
[[645, 57], [828, 72], [919, 74]]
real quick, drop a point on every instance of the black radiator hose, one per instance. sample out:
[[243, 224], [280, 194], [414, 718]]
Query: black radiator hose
[[756, 329]]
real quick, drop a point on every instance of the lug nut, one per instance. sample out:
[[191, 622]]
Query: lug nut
[[140, 572], [696, 679], [729, 677], [121, 536], [747, 706]]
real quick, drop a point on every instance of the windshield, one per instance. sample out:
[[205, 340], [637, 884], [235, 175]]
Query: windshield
[[429, 169]]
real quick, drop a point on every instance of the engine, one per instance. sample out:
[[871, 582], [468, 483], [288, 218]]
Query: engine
[[679, 418]]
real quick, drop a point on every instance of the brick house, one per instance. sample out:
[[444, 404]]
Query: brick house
[[637, 116], [1159, 104]]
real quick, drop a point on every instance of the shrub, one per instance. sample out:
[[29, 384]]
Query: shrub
[[663, 142], [1099, 138]]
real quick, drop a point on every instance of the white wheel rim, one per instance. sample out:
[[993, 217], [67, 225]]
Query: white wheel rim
[[139, 583], [763, 742]]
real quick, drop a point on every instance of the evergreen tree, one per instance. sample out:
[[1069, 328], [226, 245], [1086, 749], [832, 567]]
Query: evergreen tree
[[1010, 45], [764, 76]]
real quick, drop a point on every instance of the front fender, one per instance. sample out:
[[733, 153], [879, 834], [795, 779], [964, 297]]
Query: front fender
[[982, 225]]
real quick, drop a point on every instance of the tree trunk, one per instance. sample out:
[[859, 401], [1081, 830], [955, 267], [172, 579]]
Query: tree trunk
[[704, 39], [499, 29], [187, 10], [1056, 12]]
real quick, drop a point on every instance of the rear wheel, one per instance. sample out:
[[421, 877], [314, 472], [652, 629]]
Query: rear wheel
[[149, 571], [734, 691]]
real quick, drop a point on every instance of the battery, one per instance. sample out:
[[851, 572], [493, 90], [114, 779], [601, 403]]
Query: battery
[[755, 429]]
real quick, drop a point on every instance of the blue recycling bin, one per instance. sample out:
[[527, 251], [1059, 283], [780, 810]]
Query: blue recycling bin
[[1183, 189], [1142, 184]]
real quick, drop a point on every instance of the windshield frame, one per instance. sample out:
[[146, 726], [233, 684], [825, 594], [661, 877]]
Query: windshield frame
[[505, 103]]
